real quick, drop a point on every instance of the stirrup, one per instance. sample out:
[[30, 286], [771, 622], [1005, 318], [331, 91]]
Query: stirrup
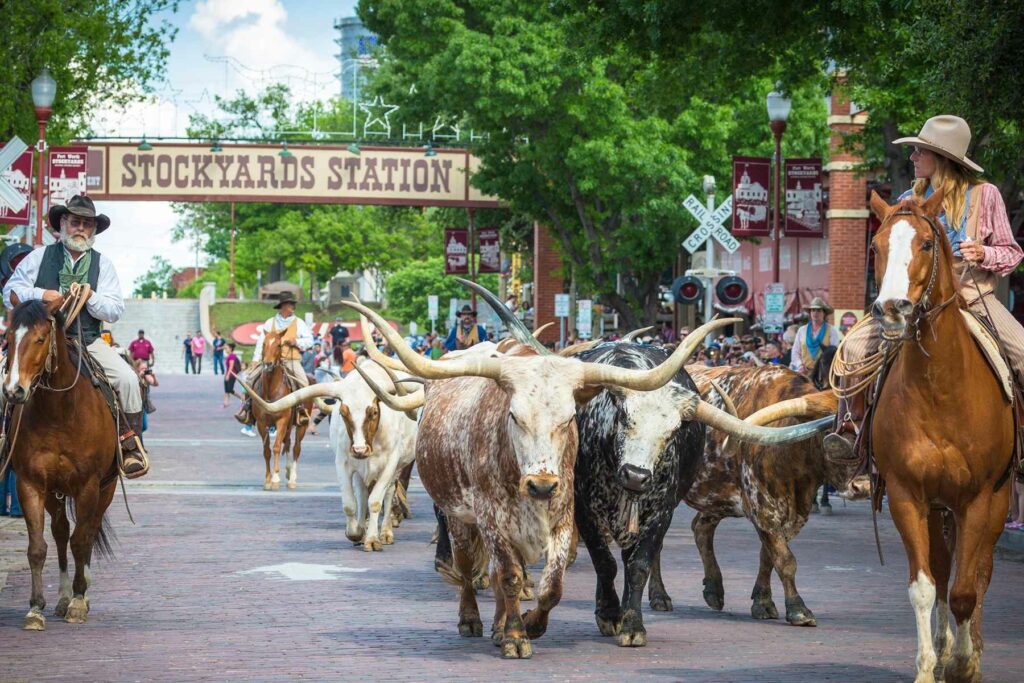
[[301, 417], [134, 463]]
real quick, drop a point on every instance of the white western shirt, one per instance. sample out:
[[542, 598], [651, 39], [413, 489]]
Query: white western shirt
[[303, 337]]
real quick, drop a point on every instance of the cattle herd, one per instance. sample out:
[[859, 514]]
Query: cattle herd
[[525, 451]]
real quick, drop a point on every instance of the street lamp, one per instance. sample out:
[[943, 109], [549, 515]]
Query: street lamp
[[44, 92], [778, 111]]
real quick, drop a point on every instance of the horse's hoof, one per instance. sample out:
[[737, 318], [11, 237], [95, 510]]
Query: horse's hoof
[[354, 536], [372, 544], [471, 629], [61, 609], [275, 486], [34, 621], [798, 614], [826, 510], [291, 486], [516, 648], [714, 594], [78, 611], [764, 609], [662, 603], [608, 627], [633, 639]]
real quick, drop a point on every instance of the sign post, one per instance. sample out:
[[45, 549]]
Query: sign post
[[561, 312], [432, 312], [774, 307], [710, 220], [585, 318]]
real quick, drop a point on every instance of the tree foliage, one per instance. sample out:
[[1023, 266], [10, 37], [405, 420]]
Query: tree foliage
[[157, 280], [409, 286], [100, 52]]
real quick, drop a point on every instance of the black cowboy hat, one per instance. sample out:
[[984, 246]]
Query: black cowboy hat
[[466, 309], [78, 205], [286, 298]]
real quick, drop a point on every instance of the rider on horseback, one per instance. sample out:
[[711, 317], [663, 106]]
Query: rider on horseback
[[295, 338], [47, 274]]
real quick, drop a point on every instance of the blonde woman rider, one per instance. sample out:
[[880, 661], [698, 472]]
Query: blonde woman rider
[[975, 221]]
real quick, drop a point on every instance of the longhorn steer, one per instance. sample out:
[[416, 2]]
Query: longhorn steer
[[637, 451], [773, 487]]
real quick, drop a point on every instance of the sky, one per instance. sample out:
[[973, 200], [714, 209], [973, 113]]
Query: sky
[[222, 46]]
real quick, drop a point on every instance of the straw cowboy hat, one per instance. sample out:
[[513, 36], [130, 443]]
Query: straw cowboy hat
[[817, 303], [947, 135], [286, 298], [79, 205]]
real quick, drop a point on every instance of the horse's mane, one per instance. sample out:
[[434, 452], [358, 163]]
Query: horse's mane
[[29, 313]]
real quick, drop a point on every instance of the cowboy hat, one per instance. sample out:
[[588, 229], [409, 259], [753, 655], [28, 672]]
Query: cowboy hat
[[466, 309], [79, 205], [817, 303], [285, 298], [947, 135]]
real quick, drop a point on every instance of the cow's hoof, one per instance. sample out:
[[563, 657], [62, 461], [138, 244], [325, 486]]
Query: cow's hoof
[[764, 610], [964, 669], [354, 536], [798, 614], [536, 623], [663, 603], [826, 510], [372, 544], [387, 537], [481, 583], [34, 620], [78, 611], [471, 629], [62, 607], [497, 635], [608, 626], [633, 639], [714, 594], [516, 648]]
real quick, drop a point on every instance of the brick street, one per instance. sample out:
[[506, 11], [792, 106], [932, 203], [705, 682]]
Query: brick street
[[180, 601]]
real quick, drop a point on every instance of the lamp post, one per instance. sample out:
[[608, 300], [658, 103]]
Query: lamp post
[[44, 91], [231, 285], [778, 111], [708, 185]]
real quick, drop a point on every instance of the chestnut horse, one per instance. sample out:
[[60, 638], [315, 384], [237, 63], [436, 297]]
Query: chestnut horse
[[943, 436], [273, 386], [63, 450]]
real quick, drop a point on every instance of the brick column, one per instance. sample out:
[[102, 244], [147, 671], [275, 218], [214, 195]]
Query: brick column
[[847, 214], [547, 281]]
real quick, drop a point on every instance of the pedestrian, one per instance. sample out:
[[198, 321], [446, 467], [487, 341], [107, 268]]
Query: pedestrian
[[232, 367], [466, 331], [149, 381], [338, 332], [187, 353], [9, 505], [141, 350], [198, 347], [218, 353], [813, 336], [436, 349], [771, 354], [348, 357]]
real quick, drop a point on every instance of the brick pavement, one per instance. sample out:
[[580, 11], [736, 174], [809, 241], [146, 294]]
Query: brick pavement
[[189, 614]]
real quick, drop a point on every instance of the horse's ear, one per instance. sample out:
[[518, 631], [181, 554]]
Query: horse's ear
[[52, 306], [879, 207], [933, 205]]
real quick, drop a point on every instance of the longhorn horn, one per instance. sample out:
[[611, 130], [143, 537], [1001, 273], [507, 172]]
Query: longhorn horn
[[293, 399], [814, 405], [399, 389], [415, 364], [537, 332], [730, 407], [403, 404], [515, 326], [576, 349], [695, 409], [505, 344], [646, 380], [324, 408], [631, 336], [371, 349]]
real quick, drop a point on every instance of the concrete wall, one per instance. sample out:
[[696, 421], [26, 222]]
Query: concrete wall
[[166, 321]]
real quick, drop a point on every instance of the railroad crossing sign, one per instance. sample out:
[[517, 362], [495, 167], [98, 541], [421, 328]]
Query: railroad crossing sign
[[710, 225], [9, 195]]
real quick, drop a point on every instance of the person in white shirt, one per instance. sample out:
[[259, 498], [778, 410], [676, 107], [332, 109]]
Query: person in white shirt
[[47, 273], [813, 336], [296, 339]]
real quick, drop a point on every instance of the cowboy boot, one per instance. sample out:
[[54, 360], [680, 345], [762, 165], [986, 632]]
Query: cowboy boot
[[301, 416], [245, 414], [839, 444], [134, 461]]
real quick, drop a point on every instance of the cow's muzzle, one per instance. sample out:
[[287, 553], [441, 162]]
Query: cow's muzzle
[[633, 478], [858, 488], [539, 486], [361, 452]]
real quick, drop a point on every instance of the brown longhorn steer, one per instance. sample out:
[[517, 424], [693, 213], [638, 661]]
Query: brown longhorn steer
[[772, 486]]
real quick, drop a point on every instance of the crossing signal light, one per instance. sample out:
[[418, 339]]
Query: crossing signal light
[[687, 290], [10, 257], [732, 290]]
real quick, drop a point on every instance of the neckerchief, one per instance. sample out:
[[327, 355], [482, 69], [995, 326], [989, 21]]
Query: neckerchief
[[74, 272], [813, 344], [467, 338], [281, 323]]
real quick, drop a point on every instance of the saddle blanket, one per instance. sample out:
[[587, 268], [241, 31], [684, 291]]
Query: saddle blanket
[[990, 349]]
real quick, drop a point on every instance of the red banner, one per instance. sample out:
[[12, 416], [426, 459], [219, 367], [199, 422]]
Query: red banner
[[456, 251], [19, 175], [489, 245], [803, 198], [67, 173], [751, 178]]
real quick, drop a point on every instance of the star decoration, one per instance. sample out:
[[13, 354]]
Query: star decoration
[[377, 122]]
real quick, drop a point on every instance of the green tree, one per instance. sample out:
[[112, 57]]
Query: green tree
[[100, 52], [409, 286], [156, 280]]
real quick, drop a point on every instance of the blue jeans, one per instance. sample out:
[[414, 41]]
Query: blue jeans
[[218, 362], [7, 485], [188, 363]]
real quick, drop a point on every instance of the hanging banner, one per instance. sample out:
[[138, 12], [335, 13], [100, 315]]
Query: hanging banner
[[803, 198], [19, 176], [489, 245], [456, 251], [751, 178], [67, 173]]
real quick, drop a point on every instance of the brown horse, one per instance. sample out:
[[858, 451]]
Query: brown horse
[[943, 438], [63, 450], [273, 386]]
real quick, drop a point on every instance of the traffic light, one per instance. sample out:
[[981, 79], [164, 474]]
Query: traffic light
[[687, 290], [732, 290]]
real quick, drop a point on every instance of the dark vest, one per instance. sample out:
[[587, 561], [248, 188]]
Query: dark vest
[[49, 278]]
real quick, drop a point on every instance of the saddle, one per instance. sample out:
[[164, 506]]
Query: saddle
[[986, 341]]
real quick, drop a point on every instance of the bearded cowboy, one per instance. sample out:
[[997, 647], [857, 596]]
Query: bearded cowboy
[[296, 339], [813, 336], [975, 222], [466, 332], [47, 274]]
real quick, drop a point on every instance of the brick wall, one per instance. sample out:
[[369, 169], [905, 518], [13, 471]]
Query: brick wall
[[547, 281]]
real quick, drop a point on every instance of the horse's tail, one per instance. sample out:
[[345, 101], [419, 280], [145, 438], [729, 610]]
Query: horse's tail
[[103, 544]]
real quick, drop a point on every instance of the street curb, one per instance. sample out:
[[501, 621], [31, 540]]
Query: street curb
[[13, 542]]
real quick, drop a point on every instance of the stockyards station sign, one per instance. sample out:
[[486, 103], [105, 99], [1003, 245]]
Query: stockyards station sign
[[260, 173]]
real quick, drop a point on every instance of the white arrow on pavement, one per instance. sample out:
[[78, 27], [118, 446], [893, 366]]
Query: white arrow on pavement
[[8, 155], [298, 571]]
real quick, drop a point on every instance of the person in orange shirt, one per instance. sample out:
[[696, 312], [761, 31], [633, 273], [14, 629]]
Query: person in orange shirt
[[348, 357]]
